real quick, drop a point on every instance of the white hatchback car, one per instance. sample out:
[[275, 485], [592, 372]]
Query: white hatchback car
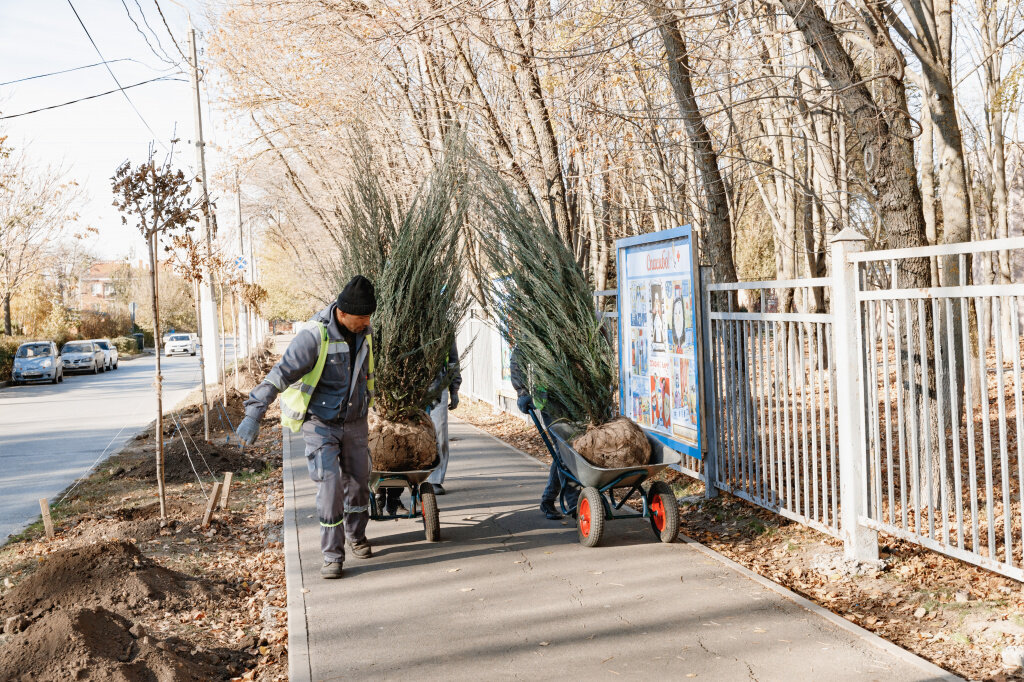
[[110, 355], [180, 344]]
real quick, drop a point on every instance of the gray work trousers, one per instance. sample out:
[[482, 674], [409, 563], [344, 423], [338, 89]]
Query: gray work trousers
[[338, 457], [439, 416]]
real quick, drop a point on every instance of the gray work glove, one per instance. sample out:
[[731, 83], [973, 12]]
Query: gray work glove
[[248, 430], [453, 401]]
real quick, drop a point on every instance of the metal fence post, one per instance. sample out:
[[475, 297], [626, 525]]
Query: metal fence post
[[859, 542], [709, 429]]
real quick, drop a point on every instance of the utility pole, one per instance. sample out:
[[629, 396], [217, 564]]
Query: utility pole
[[209, 327], [242, 342]]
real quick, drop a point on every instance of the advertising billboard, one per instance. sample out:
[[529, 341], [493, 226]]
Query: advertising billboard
[[658, 374]]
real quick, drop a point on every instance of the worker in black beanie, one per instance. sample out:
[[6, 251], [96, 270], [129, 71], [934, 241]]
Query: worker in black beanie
[[325, 379]]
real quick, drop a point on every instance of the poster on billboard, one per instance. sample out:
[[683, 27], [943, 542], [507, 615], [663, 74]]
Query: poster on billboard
[[657, 336]]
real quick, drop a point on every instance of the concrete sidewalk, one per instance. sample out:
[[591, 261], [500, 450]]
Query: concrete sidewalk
[[508, 594]]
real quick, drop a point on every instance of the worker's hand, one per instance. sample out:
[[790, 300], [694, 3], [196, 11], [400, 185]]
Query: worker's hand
[[525, 404], [248, 430], [453, 400]]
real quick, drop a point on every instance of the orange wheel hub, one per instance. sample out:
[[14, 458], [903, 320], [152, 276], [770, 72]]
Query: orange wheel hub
[[658, 512], [585, 517]]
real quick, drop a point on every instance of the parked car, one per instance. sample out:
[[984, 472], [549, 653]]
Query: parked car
[[181, 343], [37, 361], [110, 355], [83, 356]]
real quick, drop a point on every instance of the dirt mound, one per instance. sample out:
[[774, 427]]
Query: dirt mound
[[402, 446], [223, 419], [138, 523], [111, 575], [95, 644], [617, 444], [181, 465]]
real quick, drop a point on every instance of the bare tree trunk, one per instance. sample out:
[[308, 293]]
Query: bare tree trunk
[[718, 232], [7, 314], [547, 145], [158, 380], [928, 186], [880, 121]]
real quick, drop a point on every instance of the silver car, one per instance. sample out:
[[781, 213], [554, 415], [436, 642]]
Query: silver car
[[180, 343], [37, 361], [110, 356], [83, 356]]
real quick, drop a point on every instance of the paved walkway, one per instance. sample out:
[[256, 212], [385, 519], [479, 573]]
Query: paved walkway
[[508, 594]]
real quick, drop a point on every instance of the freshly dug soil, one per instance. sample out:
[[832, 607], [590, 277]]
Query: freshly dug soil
[[113, 575], [75, 611], [95, 644], [402, 446], [185, 452], [207, 458], [617, 444]]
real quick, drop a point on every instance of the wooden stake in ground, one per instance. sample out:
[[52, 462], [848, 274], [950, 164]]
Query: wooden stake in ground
[[227, 490], [211, 504], [44, 507]]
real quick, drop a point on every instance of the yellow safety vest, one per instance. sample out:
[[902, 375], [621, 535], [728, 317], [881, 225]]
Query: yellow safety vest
[[295, 399]]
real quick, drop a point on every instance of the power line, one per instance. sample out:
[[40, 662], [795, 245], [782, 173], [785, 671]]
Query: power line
[[77, 68], [120, 89], [162, 54], [169, 32], [112, 75]]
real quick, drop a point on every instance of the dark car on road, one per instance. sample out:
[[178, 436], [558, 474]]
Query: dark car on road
[[37, 361], [83, 356]]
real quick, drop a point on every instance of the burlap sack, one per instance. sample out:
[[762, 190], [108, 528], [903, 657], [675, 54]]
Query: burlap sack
[[402, 446], [618, 444]]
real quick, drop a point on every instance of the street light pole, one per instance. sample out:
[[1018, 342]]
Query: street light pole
[[209, 327]]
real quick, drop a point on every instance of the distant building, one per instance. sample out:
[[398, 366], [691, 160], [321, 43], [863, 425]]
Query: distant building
[[96, 290]]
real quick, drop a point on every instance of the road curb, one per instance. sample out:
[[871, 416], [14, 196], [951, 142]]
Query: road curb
[[299, 667], [885, 645]]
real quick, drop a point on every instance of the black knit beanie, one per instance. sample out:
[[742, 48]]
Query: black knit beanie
[[357, 298]]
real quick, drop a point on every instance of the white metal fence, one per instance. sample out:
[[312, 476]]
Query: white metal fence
[[942, 393], [899, 410], [484, 360], [770, 392]]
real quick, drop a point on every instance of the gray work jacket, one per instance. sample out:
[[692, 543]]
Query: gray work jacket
[[341, 395]]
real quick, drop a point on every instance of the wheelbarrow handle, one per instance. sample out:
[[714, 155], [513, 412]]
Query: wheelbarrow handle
[[544, 436]]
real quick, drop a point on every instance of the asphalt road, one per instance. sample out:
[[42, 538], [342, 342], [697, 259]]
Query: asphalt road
[[51, 434]]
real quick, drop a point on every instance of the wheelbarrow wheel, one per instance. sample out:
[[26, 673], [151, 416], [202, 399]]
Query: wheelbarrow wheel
[[431, 519], [664, 511], [590, 517]]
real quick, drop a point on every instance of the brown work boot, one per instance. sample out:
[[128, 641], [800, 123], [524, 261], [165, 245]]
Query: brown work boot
[[360, 549], [330, 570]]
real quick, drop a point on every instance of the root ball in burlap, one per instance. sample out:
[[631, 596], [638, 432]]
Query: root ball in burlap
[[402, 446], [617, 444]]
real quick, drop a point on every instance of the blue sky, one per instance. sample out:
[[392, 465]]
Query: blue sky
[[92, 138]]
